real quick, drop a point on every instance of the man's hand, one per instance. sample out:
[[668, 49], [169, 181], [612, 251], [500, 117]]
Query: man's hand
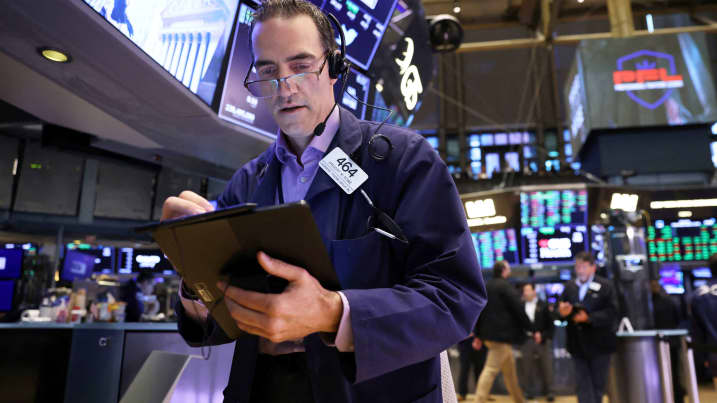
[[565, 309], [477, 344], [188, 203], [537, 337], [303, 308], [581, 317]]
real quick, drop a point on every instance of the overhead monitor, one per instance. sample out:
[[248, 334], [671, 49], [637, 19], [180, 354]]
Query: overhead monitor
[[188, 39], [30, 248], [104, 256], [549, 208], [364, 23], [10, 263], [492, 246], [550, 291], [672, 279], [553, 244], [357, 87], [131, 260], [702, 272], [682, 241], [77, 265], [237, 105], [7, 291]]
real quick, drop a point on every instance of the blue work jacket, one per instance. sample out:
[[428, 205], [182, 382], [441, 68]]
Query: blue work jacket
[[408, 302]]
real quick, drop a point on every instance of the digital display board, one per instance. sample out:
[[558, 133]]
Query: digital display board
[[104, 256], [357, 87], [131, 260], [7, 290], [10, 263], [77, 265], [683, 240], [672, 279], [553, 244], [492, 246], [237, 105], [188, 38], [364, 23], [550, 208]]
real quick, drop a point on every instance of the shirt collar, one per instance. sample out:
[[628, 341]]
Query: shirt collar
[[319, 144], [590, 280], [532, 301]]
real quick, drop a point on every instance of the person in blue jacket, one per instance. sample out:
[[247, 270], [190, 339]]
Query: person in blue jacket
[[399, 242]]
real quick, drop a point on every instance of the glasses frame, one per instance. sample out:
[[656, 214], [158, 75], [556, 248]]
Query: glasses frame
[[277, 81]]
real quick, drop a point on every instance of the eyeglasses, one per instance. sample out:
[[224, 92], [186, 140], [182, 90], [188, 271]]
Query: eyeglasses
[[270, 88]]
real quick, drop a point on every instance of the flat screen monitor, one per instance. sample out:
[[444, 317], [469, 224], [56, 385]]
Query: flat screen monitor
[[10, 263], [29, 247], [364, 23], [357, 87], [104, 256], [702, 272], [237, 105], [77, 265], [699, 283], [131, 260], [551, 208], [7, 290], [672, 279], [492, 246], [188, 39], [553, 244], [551, 291], [682, 241], [566, 274]]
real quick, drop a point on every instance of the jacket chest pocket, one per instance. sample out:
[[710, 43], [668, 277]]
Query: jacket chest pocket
[[370, 261]]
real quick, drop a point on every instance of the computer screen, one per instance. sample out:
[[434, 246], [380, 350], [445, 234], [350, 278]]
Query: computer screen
[[699, 283], [672, 279], [7, 290], [553, 244], [30, 248], [104, 256], [702, 272], [10, 263], [237, 104], [77, 265], [683, 240], [357, 87], [131, 260], [363, 22], [551, 208], [188, 39], [550, 291], [496, 245]]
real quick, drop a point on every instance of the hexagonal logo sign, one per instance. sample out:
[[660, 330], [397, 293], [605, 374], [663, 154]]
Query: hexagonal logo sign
[[647, 77]]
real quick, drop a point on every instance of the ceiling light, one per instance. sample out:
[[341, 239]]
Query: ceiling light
[[581, 1], [55, 55], [457, 9]]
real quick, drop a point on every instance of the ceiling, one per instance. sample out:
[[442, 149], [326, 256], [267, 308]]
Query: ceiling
[[111, 89]]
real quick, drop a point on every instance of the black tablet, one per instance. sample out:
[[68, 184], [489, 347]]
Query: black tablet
[[222, 245]]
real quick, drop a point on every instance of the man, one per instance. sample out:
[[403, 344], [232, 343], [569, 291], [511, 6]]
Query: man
[[704, 310], [590, 307], [469, 357], [379, 339], [502, 324], [133, 292], [537, 351]]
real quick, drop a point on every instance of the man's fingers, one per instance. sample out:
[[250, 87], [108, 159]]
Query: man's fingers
[[245, 315], [175, 207], [255, 301], [279, 268], [197, 199]]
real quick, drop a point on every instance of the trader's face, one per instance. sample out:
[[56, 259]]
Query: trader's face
[[584, 270], [287, 46], [528, 292]]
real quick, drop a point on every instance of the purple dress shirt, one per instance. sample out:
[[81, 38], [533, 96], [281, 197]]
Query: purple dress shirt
[[295, 181]]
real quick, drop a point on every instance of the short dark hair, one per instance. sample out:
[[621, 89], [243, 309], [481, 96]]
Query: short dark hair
[[712, 262], [144, 276], [269, 9], [530, 283], [586, 256], [499, 267]]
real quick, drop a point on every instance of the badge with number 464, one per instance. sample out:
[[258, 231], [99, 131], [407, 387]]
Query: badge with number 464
[[343, 170]]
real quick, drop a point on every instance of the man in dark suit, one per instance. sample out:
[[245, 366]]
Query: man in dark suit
[[590, 307], [537, 351], [704, 311], [502, 324]]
